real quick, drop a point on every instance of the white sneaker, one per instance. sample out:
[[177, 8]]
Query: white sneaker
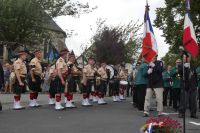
[[88, 102], [114, 99], [121, 97], [118, 99], [101, 101], [84, 103], [94, 99], [32, 103], [17, 105], [36, 104], [69, 104], [51, 101], [58, 106]]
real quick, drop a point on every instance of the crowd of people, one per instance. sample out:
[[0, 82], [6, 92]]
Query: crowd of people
[[96, 80]]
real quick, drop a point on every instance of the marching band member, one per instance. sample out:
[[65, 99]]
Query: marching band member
[[34, 78], [62, 71], [73, 72], [19, 85], [115, 89], [52, 91], [103, 83], [88, 81], [123, 83]]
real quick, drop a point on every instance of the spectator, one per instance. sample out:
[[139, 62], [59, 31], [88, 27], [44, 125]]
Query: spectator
[[1, 81], [7, 72]]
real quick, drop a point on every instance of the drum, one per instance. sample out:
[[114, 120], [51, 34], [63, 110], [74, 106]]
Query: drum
[[122, 82]]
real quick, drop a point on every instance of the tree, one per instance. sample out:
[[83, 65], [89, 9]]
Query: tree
[[26, 21], [116, 45], [170, 19]]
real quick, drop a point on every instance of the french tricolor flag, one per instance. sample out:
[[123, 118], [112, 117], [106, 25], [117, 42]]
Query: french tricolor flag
[[149, 44], [189, 38]]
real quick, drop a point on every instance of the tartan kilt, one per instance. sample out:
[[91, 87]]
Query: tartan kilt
[[52, 87], [88, 87], [17, 89], [35, 86], [59, 88]]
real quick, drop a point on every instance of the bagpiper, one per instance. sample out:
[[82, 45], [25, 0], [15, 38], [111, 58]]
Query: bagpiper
[[88, 81], [73, 72], [103, 83], [60, 79], [19, 86], [115, 89], [34, 78]]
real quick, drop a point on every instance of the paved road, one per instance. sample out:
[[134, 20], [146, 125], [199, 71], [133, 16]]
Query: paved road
[[111, 118]]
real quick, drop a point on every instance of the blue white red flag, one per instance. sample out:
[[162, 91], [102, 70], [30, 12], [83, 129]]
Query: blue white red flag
[[149, 44], [189, 38]]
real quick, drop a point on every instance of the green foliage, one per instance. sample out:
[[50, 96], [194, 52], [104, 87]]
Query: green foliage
[[27, 21], [170, 19], [115, 45]]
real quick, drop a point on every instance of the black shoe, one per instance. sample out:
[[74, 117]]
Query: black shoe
[[194, 116]]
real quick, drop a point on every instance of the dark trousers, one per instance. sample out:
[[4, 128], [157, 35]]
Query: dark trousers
[[165, 95], [188, 96], [170, 97], [141, 93], [199, 96], [134, 91], [176, 97]]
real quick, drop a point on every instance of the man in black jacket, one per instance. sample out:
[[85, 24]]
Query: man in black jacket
[[1, 81], [155, 84], [189, 88]]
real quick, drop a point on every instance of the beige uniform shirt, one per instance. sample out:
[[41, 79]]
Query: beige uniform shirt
[[89, 71], [61, 64], [20, 66], [74, 70], [123, 75], [37, 68], [101, 71]]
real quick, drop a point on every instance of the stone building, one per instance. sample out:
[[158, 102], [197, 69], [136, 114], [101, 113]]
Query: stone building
[[56, 39]]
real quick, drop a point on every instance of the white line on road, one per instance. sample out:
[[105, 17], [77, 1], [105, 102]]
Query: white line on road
[[194, 123], [170, 113]]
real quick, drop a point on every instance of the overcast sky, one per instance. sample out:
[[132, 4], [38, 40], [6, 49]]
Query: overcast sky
[[115, 12]]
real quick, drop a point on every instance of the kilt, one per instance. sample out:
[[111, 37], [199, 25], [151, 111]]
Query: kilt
[[103, 87], [88, 87], [35, 86], [52, 87], [17, 89], [116, 86], [59, 88], [71, 86]]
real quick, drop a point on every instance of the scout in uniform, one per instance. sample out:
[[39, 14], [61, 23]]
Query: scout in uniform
[[34, 78], [60, 79], [123, 83], [176, 85], [141, 81], [73, 73], [167, 86], [103, 83], [198, 77], [19, 85], [52, 91], [115, 89], [88, 81]]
